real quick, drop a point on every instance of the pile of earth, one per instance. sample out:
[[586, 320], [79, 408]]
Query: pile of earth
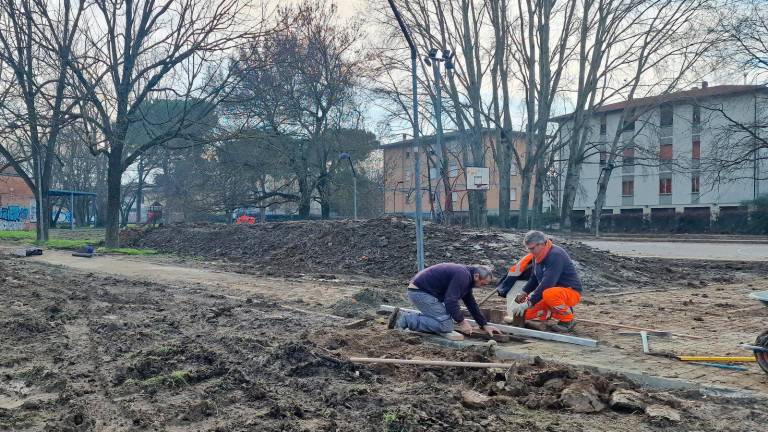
[[384, 247]]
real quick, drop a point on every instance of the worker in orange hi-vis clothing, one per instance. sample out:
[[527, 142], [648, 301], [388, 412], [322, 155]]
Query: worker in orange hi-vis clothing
[[554, 287]]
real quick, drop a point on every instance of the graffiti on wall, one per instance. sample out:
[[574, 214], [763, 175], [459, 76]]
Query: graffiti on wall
[[14, 218], [14, 213], [12, 225]]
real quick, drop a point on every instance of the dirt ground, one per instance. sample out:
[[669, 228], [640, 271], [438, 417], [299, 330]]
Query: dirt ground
[[165, 343]]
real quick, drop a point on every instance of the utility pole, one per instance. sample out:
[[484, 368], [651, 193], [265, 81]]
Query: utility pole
[[434, 61], [348, 157], [416, 141]]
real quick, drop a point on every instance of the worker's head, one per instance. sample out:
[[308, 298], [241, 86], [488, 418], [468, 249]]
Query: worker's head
[[534, 241], [481, 275]]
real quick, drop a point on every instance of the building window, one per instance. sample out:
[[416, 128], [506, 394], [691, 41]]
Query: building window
[[696, 115], [455, 196], [665, 152], [695, 183], [434, 173], [628, 156], [513, 169], [453, 168], [513, 194], [667, 115], [665, 186], [603, 124], [696, 150], [407, 155], [627, 188], [629, 121], [603, 155]]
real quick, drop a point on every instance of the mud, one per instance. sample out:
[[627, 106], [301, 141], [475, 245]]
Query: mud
[[85, 352], [384, 248]]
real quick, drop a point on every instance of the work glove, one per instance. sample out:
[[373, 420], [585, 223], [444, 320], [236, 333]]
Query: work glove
[[518, 309]]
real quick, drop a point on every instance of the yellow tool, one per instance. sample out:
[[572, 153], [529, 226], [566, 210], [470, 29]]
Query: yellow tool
[[718, 359]]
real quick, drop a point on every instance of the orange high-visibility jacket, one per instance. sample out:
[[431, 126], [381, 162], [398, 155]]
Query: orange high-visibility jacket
[[518, 271]]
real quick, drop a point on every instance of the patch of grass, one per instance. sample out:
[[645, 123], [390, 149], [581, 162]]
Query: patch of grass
[[390, 417], [176, 378], [129, 251], [67, 244], [17, 235], [72, 244]]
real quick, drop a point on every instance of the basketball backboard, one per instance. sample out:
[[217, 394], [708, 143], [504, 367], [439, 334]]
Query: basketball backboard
[[478, 178]]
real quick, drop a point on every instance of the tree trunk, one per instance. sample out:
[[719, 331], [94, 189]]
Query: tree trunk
[[602, 188], [538, 194], [114, 177], [525, 195], [305, 198], [140, 190]]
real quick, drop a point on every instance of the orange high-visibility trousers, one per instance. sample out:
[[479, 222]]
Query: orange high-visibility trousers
[[556, 302]]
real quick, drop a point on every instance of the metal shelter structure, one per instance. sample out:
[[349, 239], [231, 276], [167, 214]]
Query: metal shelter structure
[[72, 194]]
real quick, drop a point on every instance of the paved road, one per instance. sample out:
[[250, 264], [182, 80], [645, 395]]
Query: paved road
[[682, 249]]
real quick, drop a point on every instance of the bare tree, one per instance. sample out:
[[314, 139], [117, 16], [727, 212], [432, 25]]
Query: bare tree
[[672, 38], [301, 83], [138, 50], [542, 51], [36, 41], [742, 132]]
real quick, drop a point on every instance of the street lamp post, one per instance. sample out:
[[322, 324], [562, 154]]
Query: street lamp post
[[348, 157], [417, 157]]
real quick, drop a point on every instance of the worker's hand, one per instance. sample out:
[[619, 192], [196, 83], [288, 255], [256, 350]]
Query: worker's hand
[[491, 330], [500, 287], [522, 297], [520, 308], [465, 327]]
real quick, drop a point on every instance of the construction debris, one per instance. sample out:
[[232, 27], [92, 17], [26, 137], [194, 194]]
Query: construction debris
[[473, 399], [30, 251], [627, 401], [582, 397]]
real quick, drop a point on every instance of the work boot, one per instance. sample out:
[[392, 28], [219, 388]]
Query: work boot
[[536, 325], [564, 326], [392, 323]]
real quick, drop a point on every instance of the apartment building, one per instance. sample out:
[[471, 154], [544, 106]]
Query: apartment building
[[669, 158], [399, 192]]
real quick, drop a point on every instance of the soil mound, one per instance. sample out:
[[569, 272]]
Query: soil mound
[[384, 247]]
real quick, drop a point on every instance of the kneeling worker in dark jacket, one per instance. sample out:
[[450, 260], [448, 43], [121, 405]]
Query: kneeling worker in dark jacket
[[436, 291], [554, 286]]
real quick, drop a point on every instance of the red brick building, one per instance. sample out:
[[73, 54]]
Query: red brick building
[[17, 202]]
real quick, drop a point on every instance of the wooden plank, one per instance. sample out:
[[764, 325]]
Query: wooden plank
[[357, 324], [581, 320], [518, 331], [718, 359], [443, 363]]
